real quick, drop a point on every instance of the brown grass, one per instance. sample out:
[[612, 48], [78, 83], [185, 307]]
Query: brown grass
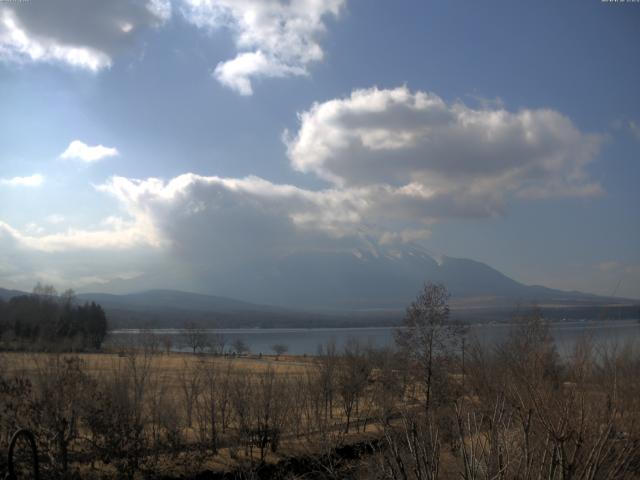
[[25, 363]]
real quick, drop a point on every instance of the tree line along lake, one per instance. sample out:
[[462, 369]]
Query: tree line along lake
[[305, 341]]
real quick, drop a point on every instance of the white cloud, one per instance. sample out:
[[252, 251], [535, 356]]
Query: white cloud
[[55, 218], [404, 236], [121, 236], [202, 222], [30, 181], [228, 211], [609, 266], [17, 45], [396, 163], [274, 38], [84, 34], [236, 74], [81, 151], [210, 226], [34, 228], [446, 159], [160, 10], [212, 220], [222, 213], [73, 259]]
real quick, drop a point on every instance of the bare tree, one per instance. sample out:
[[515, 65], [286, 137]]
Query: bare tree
[[159, 407], [149, 341], [429, 337], [60, 388], [389, 383], [209, 403], [279, 349], [167, 343], [353, 374], [411, 450], [530, 352], [240, 346], [195, 337], [47, 291], [537, 417], [190, 385], [260, 410], [327, 362], [114, 416], [217, 342]]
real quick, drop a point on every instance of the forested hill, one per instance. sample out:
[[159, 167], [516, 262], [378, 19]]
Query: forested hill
[[45, 320], [175, 309]]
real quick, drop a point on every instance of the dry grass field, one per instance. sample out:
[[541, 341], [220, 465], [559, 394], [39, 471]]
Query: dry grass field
[[170, 365], [517, 411], [174, 399]]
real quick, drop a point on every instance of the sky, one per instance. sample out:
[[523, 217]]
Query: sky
[[145, 142]]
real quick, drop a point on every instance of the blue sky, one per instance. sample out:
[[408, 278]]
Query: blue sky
[[506, 132]]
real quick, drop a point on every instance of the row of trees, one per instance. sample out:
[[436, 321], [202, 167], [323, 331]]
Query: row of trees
[[46, 320], [195, 339], [516, 410], [135, 411]]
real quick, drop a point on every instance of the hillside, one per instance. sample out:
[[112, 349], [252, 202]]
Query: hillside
[[371, 287], [377, 278]]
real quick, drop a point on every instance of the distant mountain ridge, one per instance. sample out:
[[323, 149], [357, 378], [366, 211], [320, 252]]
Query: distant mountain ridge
[[172, 299], [340, 288], [6, 294], [389, 279]]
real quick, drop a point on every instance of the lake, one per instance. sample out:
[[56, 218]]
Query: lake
[[302, 341]]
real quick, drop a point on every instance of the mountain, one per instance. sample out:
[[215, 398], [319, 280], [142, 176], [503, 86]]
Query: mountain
[[7, 294], [369, 286], [172, 308], [172, 300], [377, 278]]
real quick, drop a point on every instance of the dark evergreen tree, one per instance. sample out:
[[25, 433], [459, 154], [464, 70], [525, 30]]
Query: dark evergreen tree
[[51, 319]]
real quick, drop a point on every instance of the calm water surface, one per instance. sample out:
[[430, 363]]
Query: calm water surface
[[306, 341]]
